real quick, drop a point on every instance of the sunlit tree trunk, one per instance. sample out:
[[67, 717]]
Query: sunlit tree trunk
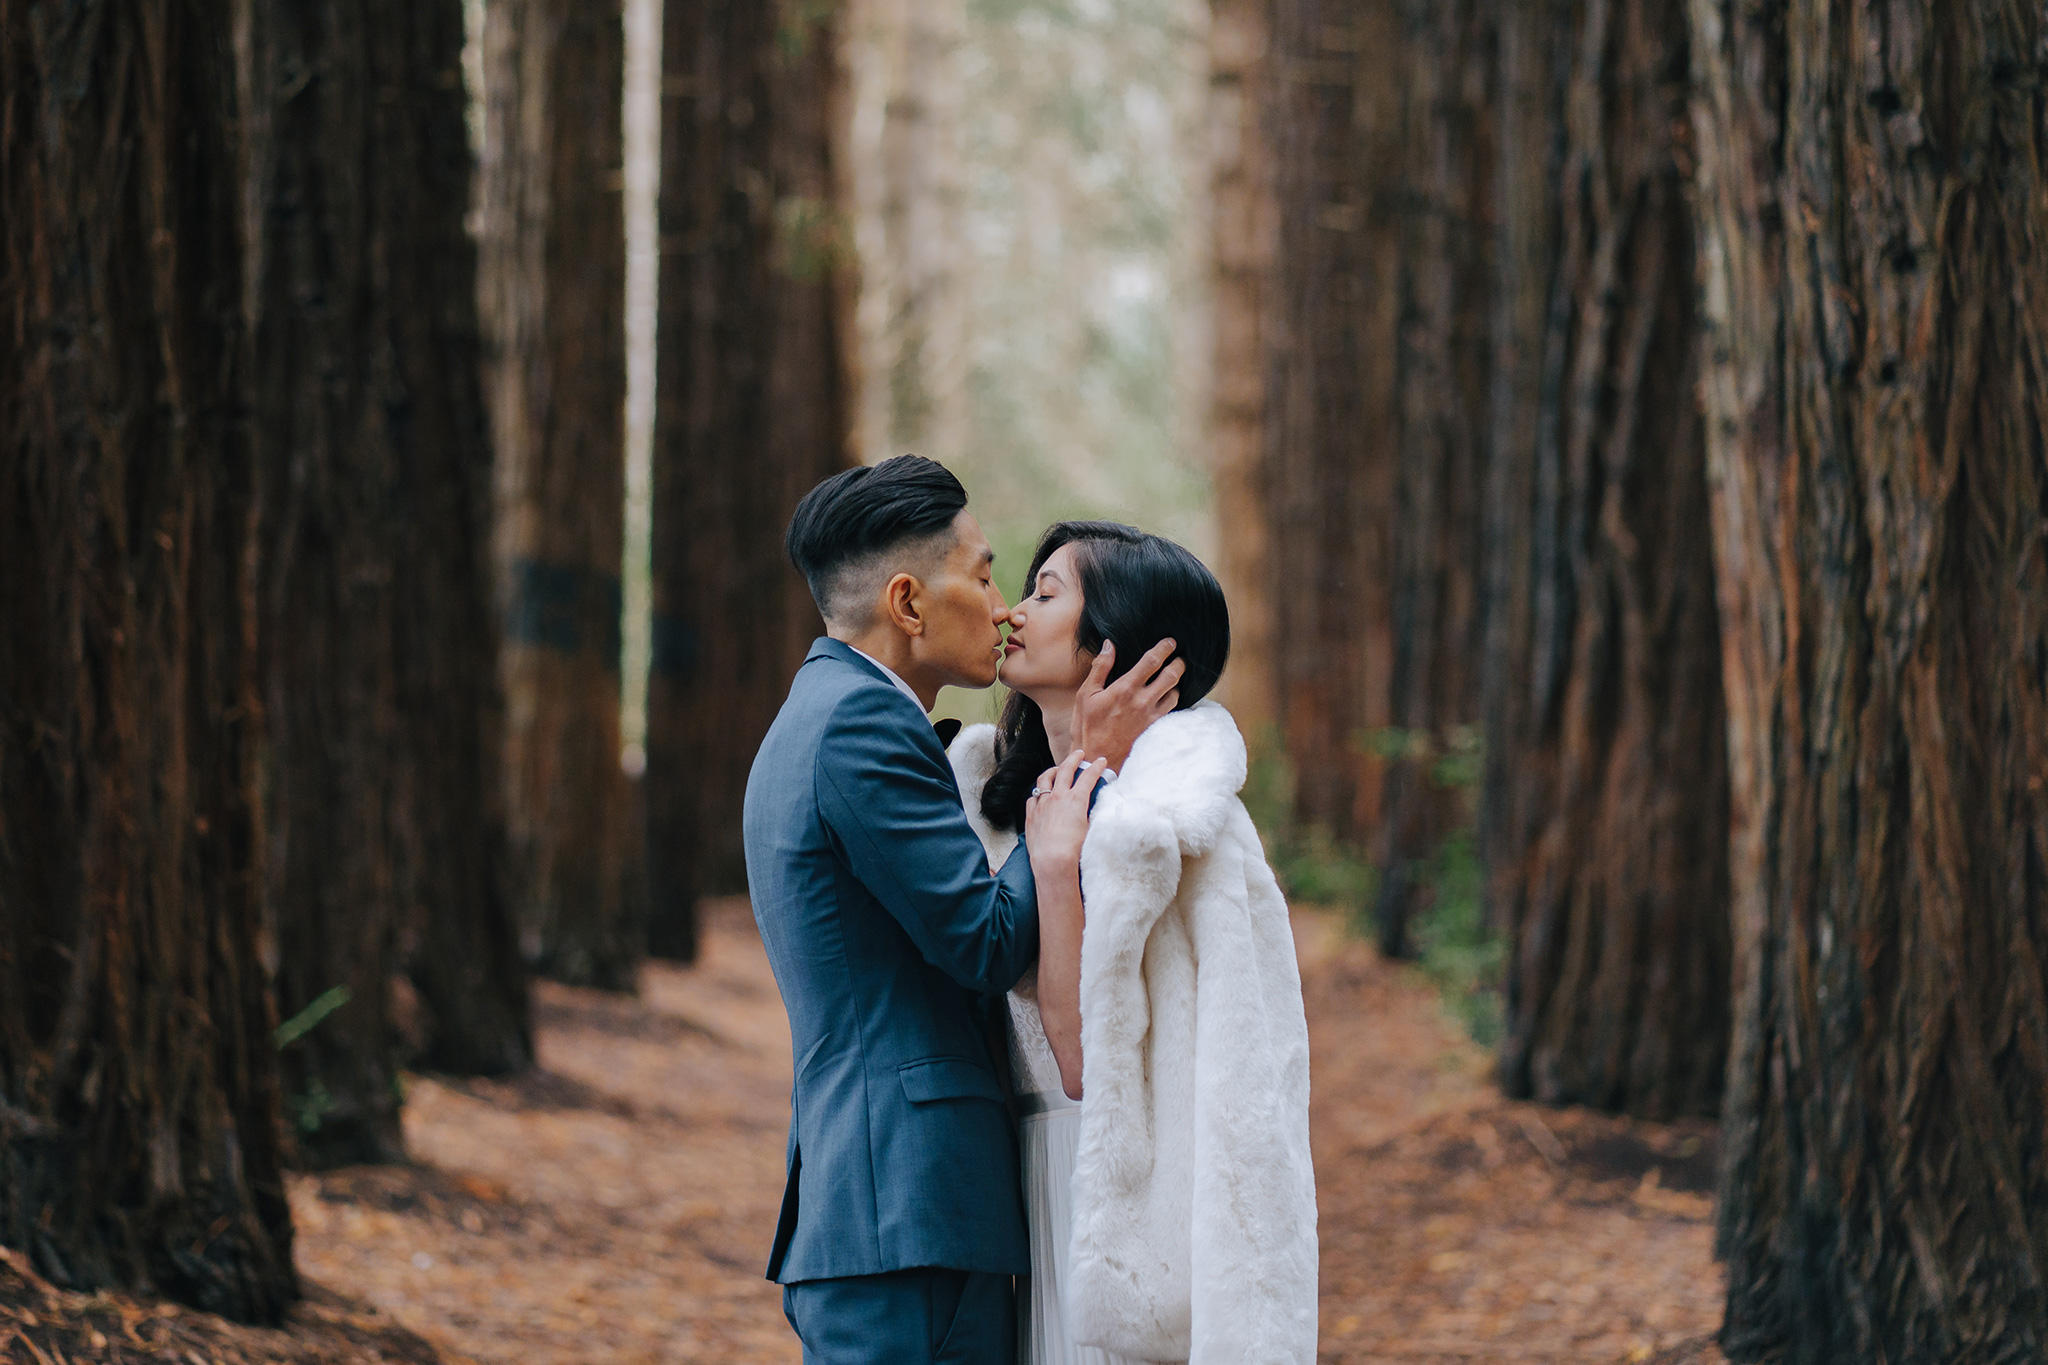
[[907, 193], [753, 407], [138, 1076], [1875, 277], [1244, 236], [553, 291], [1605, 806]]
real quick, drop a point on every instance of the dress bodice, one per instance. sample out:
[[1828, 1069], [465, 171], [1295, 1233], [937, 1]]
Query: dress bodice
[[1031, 1059]]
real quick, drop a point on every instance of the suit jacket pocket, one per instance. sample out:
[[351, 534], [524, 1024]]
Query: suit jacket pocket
[[948, 1078]]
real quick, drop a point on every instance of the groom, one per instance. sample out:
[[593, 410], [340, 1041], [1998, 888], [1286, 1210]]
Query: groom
[[902, 1221]]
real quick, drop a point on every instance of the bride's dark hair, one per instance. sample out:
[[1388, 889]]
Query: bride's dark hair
[[1136, 589]]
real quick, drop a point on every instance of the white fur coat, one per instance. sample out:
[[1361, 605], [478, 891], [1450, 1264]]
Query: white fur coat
[[1194, 1199]]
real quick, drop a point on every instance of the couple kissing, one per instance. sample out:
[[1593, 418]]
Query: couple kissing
[[1051, 1067]]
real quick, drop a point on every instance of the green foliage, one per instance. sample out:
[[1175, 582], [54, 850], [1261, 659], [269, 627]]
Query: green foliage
[[324, 1004], [1456, 949], [1313, 868], [814, 238], [310, 1110]]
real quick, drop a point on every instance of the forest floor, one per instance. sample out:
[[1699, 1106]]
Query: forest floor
[[614, 1205]]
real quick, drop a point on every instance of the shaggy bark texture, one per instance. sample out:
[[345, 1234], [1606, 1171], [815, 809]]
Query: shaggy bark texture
[[752, 408], [1876, 299], [1604, 811], [381, 764], [138, 1077], [553, 291]]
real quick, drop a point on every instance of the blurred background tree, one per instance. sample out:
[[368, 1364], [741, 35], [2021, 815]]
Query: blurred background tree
[[552, 232]]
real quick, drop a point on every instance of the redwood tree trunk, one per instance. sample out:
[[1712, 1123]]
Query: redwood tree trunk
[[349, 223], [1440, 207], [1375, 414], [752, 408], [1245, 228], [1605, 807], [138, 1082], [1875, 269], [554, 281]]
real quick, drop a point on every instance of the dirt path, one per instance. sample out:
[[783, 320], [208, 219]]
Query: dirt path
[[615, 1205]]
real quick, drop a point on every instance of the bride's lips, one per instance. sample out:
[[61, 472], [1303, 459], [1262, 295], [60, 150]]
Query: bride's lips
[[1011, 646]]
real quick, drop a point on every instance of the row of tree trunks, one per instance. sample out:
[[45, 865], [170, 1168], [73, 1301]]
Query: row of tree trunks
[[376, 637], [1604, 811], [753, 406], [1375, 415], [553, 290], [139, 1106], [1875, 283]]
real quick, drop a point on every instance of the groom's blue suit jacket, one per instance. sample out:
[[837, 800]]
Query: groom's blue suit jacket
[[892, 944]]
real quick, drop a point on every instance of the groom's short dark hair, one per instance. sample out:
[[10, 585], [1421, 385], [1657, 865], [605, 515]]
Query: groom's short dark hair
[[861, 521]]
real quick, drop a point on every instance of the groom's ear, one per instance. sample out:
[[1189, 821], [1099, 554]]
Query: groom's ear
[[901, 603]]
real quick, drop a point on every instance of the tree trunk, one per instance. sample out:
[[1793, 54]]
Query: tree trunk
[[752, 408], [1441, 207], [1374, 435], [908, 195], [138, 1075], [1875, 270], [1328, 392], [462, 942], [1245, 228], [1605, 809], [554, 264]]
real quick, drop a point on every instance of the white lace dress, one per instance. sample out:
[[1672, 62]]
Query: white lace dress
[[1050, 1136], [1047, 1141]]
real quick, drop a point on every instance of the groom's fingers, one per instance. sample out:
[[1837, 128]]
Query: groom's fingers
[[1166, 679], [1098, 672], [1150, 668]]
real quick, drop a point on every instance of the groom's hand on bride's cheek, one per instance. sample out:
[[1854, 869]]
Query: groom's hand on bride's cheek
[[1109, 717]]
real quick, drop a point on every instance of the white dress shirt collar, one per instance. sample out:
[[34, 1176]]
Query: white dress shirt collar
[[889, 673]]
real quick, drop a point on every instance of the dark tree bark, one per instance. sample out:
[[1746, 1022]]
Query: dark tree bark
[[138, 1076], [1376, 414], [1875, 271], [378, 641], [1604, 821], [1443, 287], [752, 408], [554, 284]]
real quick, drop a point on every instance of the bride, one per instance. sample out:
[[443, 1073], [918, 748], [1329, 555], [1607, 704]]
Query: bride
[[1159, 1046]]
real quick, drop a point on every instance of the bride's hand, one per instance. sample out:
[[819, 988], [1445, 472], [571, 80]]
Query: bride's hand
[[1056, 815]]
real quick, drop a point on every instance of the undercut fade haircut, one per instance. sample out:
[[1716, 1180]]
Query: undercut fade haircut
[[858, 527]]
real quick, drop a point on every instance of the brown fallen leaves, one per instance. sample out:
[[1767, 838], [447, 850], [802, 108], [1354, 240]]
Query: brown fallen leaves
[[43, 1325], [615, 1204]]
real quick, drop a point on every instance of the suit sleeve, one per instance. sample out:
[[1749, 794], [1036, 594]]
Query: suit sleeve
[[890, 801]]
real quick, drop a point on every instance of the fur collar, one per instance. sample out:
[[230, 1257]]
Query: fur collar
[[1187, 769]]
